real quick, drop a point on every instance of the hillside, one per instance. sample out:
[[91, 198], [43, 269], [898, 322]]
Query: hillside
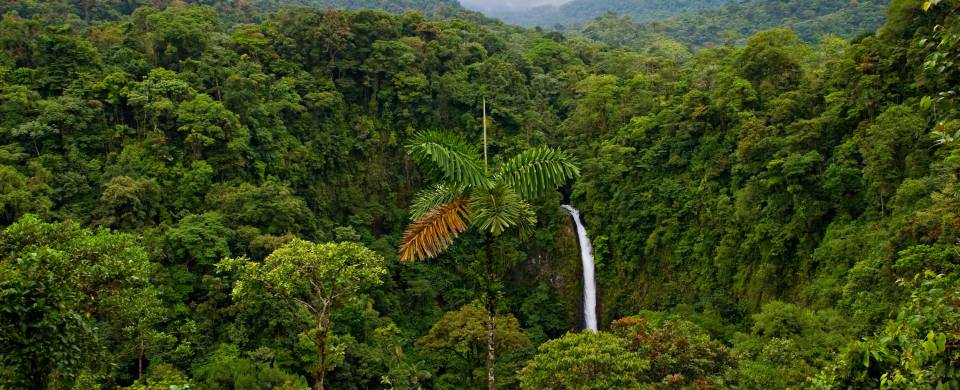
[[577, 12], [240, 10], [702, 22], [810, 19], [357, 199]]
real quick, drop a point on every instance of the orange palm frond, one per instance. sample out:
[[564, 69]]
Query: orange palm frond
[[433, 232]]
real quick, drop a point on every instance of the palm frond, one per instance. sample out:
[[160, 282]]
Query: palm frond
[[434, 231], [448, 157], [433, 197], [537, 170], [499, 208]]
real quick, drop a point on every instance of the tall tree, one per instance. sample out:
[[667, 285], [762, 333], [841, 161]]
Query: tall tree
[[468, 193], [312, 277]]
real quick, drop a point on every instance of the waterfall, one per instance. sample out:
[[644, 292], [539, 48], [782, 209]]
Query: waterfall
[[589, 283]]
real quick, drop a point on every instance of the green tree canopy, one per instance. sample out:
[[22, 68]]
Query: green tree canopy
[[316, 278], [585, 360]]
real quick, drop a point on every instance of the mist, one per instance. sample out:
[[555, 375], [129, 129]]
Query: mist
[[507, 5]]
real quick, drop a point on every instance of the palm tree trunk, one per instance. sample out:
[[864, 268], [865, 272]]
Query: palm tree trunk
[[491, 308]]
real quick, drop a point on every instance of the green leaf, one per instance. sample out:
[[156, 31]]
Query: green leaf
[[941, 342], [500, 208], [448, 157], [537, 170], [433, 197]]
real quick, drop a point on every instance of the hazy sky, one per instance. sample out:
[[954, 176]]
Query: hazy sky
[[509, 4]]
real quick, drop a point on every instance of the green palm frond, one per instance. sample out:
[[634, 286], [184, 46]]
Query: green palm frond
[[537, 170], [448, 157], [431, 198], [499, 208], [434, 232]]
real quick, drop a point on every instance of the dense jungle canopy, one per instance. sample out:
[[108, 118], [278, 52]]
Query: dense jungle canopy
[[215, 195]]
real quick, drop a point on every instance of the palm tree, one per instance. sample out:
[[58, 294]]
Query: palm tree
[[467, 195]]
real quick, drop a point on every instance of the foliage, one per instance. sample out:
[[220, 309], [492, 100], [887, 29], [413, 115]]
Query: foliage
[[786, 345], [917, 349], [585, 360], [579, 11], [316, 278], [161, 377], [770, 187], [492, 203], [680, 353], [461, 337], [226, 369], [810, 19], [69, 299]]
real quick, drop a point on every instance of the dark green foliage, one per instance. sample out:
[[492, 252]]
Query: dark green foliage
[[226, 369], [810, 19], [69, 299], [579, 11], [768, 199], [200, 240], [459, 343], [18, 196], [918, 349], [786, 344]]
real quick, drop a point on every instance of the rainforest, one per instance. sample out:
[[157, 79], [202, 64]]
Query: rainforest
[[406, 194]]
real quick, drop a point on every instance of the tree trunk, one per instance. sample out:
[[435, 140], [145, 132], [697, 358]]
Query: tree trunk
[[491, 308], [140, 360], [321, 342]]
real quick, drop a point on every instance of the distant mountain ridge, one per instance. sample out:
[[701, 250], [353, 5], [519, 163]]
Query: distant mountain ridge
[[395, 6], [810, 19], [237, 10], [578, 12], [706, 22]]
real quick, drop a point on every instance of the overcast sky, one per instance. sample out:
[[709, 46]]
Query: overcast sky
[[508, 4]]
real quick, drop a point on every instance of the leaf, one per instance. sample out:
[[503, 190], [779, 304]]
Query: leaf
[[537, 170], [434, 232], [941, 342], [433, 197], [448, 157], [500, 208]]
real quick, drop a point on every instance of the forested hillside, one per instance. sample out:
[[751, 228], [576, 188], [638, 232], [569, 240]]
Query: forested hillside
[[810, 19], [227, 10], [577, 12], [213, 197], [646, 25]]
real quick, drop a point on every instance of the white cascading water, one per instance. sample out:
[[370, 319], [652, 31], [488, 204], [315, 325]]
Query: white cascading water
[[589, 283]]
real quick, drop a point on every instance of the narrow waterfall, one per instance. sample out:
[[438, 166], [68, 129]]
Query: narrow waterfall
[[589, 283]]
